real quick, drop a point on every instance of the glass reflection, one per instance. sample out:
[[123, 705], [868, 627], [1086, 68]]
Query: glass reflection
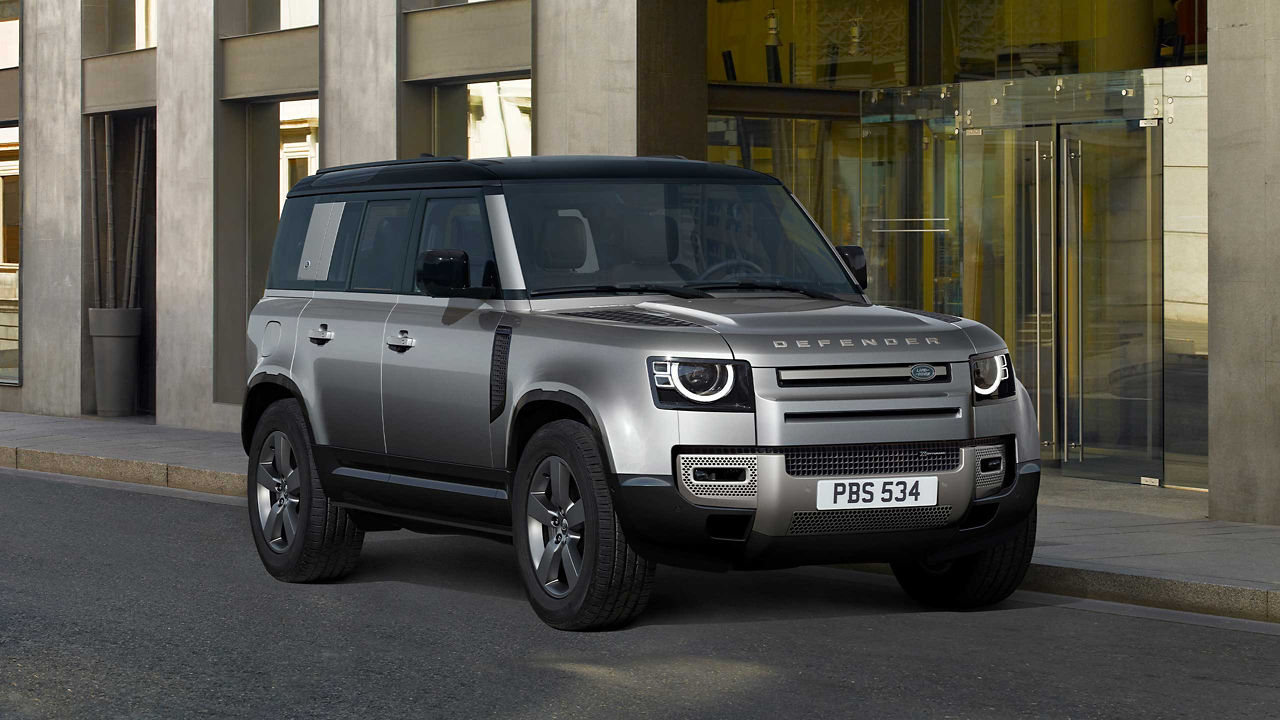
[[500, 118], [867, 43], [10, 252]]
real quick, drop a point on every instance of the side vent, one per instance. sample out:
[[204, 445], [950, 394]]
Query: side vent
[[633, 317], [498, 372]]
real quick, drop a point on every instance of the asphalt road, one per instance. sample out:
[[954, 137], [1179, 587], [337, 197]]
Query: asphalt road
[[121, 603]]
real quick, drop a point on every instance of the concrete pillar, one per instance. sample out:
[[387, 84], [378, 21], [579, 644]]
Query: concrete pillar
[[1244, 307], [185, 192], [54, 342], [638, 89], [358, 81]]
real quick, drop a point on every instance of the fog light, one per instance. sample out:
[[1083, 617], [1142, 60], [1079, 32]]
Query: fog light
[[719, 475]]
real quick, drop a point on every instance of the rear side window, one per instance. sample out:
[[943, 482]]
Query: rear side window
[[314, 245], [384, 240]]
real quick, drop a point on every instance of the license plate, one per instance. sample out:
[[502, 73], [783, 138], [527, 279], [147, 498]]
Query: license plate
[[878, 493]]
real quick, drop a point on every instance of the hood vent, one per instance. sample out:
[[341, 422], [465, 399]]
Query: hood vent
[[633, 317]]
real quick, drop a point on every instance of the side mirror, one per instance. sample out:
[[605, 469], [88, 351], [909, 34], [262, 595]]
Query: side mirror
[[443, 272], [856, 259]]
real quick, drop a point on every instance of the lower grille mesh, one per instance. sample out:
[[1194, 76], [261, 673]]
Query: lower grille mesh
[[874, 459], [837, 522]]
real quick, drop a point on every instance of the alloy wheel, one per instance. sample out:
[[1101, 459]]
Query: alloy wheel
[[556, 525], [279, 491]]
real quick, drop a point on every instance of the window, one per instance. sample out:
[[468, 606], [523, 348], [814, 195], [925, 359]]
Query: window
[[313, 246], [10, 31], [10, 253], [499, 119], [678, 233], [380, 253], [458, 223]]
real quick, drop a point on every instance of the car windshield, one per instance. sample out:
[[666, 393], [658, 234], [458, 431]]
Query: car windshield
[[609, 237]]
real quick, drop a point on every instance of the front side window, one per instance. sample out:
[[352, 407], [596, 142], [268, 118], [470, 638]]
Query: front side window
[[685, 234], [459, 223]]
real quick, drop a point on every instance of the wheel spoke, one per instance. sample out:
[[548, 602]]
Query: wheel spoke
[[549, 564], [289, 526], [264, 477], [291, 482], [284, 454], [538, 509], [575, 516], [560, 478], [272, 525], [572, 561]]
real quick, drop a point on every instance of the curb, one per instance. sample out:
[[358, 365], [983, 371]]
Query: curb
[[1170, 593], [1259, 603], [143, 472]]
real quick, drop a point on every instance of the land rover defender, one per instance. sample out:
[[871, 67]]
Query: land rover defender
[[614, 363]]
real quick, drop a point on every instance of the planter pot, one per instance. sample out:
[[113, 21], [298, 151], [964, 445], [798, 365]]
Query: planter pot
[[115, 333]]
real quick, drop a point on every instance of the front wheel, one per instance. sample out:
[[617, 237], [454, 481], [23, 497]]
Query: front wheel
[[578, 570], [974, 581]]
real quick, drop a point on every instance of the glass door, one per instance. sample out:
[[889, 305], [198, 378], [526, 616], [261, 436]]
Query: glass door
[[1010, 193], [1110, 272]]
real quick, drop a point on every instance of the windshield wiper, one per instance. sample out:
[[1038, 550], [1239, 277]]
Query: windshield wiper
[[672, 290], [756, 285]]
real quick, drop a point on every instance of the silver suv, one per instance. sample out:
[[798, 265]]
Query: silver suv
[[613, 363]]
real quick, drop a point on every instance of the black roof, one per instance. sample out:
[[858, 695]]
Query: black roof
[[459, 171]]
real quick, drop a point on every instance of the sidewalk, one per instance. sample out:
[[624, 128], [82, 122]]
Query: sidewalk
[[1152, 546], [128, 450], [1100, 540]]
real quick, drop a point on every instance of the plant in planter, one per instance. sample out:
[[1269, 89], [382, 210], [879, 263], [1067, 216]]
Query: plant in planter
[[115, 322]]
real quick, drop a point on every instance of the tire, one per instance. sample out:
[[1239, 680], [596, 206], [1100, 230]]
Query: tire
[[974, 581], [325, 541], [612, 583]]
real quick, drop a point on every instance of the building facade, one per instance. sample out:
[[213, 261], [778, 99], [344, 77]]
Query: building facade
[[1042, 166]]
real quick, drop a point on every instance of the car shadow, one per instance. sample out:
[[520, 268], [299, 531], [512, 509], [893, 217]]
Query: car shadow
[[449, 562], [680, 596]]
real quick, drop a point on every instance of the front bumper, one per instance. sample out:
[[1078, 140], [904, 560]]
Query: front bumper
[[665, 526]]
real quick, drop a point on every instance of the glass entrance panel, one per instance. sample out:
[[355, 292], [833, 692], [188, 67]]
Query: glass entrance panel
[[1009, 234], [909, 218], [1111, 270]]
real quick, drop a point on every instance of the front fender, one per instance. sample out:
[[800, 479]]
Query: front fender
[[602, 372]]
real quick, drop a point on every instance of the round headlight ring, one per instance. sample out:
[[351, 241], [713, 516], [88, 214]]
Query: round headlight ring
[[718, 394], [1000, 374]]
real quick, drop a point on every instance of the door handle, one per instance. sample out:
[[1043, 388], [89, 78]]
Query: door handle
[[401, 342], [320, 335]]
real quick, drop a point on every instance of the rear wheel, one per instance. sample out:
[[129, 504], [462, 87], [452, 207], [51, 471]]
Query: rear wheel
[[973, 581], [299, 534], [578, 570]]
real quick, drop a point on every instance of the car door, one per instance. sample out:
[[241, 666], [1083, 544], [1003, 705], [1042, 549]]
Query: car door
[[435, 369], [353, 255]]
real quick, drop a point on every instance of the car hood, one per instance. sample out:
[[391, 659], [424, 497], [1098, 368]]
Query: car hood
[[785, 332]]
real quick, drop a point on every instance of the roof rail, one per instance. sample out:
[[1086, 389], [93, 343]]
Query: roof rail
[[383, 163], [668, 157]]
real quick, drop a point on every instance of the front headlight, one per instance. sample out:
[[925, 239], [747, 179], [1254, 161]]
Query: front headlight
[[992, 377], [690, 384]]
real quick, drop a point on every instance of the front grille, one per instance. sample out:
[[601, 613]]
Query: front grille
[[633, 317], [747, 488], [854, 375], [878, 459], [839, 522]]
